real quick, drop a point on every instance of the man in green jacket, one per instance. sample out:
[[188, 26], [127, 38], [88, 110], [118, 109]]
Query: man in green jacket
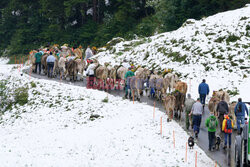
[[211, 123], [38, 57], [128, 76]]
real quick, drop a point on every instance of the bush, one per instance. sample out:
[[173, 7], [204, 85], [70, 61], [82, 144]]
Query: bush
[[21, 95], [232, 38], [105, 100], [33, 85]]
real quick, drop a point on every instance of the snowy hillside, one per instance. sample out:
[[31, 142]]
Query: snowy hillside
[[55, 124], [216, 48]]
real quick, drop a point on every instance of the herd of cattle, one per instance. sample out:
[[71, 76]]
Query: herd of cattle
[[168, 88]]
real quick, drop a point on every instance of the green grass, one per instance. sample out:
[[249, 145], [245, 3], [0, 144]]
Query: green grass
[[232, 38]]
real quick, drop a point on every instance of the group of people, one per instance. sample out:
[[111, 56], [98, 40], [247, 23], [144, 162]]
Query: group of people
[[220, 120], [53, 54]]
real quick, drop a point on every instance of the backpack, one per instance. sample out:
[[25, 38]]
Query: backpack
[[212, 123], [239, 107], [229, 124]]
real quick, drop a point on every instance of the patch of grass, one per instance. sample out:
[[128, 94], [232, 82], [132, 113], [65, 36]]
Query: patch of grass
[[219, 40], [232, 38], [244, 18], [173, 41], [120, 53], [233, 92], [146, 56], [210, 33], [105, 100], [177, 57], [21, 95], [33, 85]]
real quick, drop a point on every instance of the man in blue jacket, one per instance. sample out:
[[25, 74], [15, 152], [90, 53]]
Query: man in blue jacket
[[203, 91], [239, 111]]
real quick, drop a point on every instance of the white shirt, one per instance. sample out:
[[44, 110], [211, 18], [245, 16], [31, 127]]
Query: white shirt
[[88, 53], [90, 70]]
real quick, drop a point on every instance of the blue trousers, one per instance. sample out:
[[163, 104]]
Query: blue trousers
[[229, 138], [196, 123], [240, 120], [203, 98], [50, 69]]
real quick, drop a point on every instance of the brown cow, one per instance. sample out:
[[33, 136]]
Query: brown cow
[[81, 65], [71, 70], [169, 105], [232, 113], [181, 87], [222, 94], [44, 63], [101, 72], [179, 103], [172, 80], [212, 104]]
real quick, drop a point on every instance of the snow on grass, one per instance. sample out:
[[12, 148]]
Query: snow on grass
[[215, 48], [65, 125]]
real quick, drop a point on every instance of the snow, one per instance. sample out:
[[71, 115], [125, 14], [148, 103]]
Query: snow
[[205, 58], [54, 129]]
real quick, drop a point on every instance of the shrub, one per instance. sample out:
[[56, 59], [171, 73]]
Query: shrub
[[21, 96], [33, 85], [105, 100], [232, 38], [219, 40]]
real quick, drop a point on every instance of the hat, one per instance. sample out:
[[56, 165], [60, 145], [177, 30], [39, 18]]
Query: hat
[[129, 68], [226, 116]]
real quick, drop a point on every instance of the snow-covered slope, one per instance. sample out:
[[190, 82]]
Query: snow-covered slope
[[216, 48], [64, 125]]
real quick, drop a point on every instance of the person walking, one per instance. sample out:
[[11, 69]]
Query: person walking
[[222, 109], [239, 111], [196, 111], [188, 106], [227, 128], [203, 91], [88, 54], [38, 57], [90, 73], [50, 63], [128, 76], [211, 123]]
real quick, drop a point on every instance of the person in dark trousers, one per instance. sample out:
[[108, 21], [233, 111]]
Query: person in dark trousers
[[196, 110], [211, 123], [227, 127], [188, 106], [222, 109], [128, 76], [90, 73], [50, 63], [38, 57], [203, 91], [239, 111]]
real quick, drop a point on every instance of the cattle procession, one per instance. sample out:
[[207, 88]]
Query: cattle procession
[[225, 116]]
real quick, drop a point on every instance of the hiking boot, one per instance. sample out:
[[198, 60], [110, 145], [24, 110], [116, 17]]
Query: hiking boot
[[229, 146], [225, 147]]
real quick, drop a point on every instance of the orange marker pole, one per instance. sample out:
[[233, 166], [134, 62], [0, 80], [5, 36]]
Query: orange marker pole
[[161, 126], [186, 152], [195, 158], [173, 139], [215, 163]]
